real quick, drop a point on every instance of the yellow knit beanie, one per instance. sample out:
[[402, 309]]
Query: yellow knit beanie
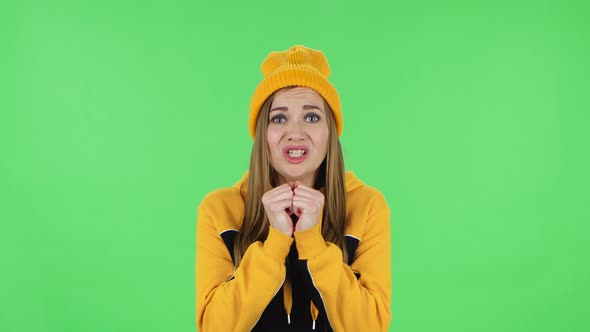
[[297, 66]]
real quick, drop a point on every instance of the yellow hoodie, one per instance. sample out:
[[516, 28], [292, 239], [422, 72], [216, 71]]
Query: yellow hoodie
[[353, 297]]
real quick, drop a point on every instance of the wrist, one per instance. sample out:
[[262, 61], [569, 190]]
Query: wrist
[[309, 242], [277, 244]]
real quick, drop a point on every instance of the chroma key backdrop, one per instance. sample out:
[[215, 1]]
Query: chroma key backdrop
[[118, 117]]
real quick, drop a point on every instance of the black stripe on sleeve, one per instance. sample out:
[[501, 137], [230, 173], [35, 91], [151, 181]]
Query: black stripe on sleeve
[[229, 237], [351, 244]]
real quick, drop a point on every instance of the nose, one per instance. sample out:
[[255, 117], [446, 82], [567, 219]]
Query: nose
[[296, 131]]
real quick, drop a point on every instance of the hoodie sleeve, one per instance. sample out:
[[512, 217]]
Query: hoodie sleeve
[[229, 300], [351, 304]]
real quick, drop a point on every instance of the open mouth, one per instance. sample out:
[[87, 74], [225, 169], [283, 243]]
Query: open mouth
[[295, 154]]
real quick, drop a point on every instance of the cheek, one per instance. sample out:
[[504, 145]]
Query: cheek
[[272, 138], [321, 139]]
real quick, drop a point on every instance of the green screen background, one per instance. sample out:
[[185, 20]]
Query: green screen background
[[471, 117]]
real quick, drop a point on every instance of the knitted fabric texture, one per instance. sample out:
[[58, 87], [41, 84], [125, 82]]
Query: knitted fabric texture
[[297, 66]]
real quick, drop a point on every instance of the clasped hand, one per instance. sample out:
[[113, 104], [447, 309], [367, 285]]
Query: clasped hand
[[293, 198]]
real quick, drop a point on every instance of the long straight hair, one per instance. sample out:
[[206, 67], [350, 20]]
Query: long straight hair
[[262, 178]]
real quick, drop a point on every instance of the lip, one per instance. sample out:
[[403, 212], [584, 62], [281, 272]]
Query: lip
[[295, 147]]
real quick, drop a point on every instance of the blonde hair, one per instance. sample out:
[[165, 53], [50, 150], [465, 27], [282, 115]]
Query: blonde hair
[[262, 178]]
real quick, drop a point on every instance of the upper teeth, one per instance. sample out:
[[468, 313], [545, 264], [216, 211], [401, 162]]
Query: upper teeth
[[296, 153]]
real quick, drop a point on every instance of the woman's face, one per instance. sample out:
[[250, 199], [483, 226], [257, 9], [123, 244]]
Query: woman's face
[[297, 134]]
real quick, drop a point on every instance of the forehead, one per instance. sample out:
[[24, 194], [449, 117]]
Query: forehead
[[298, 94]]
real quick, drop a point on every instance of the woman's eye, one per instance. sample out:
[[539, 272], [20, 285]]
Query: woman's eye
[[278, 119], [312, 118]]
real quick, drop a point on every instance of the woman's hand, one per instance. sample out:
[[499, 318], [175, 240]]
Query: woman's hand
[[308, 205], [276, 202]]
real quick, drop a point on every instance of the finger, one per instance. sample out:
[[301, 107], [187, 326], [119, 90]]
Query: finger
[[279, 196], [276, 191], [308, 192], [283, 187], [281, 205], [294, 210], [298, 199], [307, 204], [306, 188]]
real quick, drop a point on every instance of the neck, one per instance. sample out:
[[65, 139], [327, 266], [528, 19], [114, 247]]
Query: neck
[[306, 180]]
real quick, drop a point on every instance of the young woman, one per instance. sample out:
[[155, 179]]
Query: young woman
[[297, 244]]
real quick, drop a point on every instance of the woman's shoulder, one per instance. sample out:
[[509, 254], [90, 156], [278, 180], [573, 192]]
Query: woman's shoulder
[[224, 207], [227, 195], [222, 196], [360, 194], [365, 207]]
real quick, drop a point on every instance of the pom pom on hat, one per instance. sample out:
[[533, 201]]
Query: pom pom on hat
[[297, 66]]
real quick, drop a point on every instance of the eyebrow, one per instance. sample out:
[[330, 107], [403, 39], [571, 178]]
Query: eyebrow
[[305, 107]]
